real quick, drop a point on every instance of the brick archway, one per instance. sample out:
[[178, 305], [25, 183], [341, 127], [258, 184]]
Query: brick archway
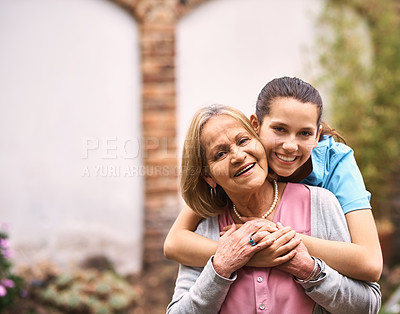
[[157, 22]]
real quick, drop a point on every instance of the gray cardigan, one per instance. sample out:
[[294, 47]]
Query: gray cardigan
[[202, 290]]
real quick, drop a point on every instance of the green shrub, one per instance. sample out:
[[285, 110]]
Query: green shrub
[[88, 291], [362, 74], [10, 284]]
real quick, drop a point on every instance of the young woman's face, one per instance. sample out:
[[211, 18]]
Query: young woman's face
[[236, 160], [288, 134]]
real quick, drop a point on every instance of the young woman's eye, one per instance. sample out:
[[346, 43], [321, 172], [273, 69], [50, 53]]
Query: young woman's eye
[[306, 133], [278, 129]]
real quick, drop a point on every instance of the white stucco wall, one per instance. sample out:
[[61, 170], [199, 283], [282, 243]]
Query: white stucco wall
[[70, 129], [227, 50], [70, 120]]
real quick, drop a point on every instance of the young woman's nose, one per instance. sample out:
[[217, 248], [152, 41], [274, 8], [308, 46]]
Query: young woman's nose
[[290, 145]]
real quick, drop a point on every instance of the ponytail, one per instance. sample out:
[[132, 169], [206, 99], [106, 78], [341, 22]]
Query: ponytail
[[329, 131]]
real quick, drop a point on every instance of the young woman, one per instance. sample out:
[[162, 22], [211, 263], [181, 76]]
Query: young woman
[[288, 121]]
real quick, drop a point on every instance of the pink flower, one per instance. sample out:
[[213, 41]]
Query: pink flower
[[7, 283], [4, 243], [7, 253], [3, 291]]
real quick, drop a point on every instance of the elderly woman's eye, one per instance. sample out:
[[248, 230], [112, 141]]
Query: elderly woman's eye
[[243, 140], [219, 155]]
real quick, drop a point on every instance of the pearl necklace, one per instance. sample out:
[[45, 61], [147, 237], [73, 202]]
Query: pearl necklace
[[269, 211]]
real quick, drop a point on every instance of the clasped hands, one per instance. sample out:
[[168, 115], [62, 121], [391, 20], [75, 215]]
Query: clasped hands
[[275, 246]]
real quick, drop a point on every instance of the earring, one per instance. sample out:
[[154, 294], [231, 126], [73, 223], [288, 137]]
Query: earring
[[213, 192]]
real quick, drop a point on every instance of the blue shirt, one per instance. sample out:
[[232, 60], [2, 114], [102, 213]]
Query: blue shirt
[[335, 169]]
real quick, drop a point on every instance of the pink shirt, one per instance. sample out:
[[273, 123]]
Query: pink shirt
[[269, 290]]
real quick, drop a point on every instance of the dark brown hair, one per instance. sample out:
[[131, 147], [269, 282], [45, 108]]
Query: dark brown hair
[[293, 87]]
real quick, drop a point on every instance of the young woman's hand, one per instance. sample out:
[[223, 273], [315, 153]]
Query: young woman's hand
[[268, 225], [281, 251]]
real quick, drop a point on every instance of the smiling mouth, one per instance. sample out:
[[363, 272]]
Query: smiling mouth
[[244, 170], [286, 158]]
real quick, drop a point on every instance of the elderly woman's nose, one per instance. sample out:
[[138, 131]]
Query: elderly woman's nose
[[238, 155]]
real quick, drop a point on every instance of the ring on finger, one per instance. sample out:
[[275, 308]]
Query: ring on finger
[[252, 242]]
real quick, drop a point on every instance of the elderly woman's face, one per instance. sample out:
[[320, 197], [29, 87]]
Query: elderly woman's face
[[236, 160]]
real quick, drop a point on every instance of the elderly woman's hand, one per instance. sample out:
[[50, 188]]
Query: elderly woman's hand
[[234, 249], [302, 264]]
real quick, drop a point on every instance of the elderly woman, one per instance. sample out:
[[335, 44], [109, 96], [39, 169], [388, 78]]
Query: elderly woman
[[225, 179]]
